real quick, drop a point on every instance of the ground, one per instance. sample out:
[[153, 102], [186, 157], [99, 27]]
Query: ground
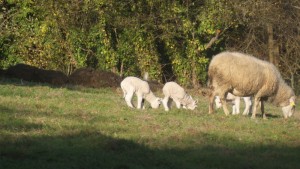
[[87, 77]]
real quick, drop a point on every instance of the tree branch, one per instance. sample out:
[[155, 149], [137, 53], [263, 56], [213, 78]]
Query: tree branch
[[297, 7], [213, 40]]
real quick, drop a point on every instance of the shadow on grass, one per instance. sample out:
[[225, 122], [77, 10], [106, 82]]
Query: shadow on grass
[[95, 150], [91, 149]]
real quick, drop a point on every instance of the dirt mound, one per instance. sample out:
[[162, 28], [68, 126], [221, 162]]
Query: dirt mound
[[89, 77], [34, 74]]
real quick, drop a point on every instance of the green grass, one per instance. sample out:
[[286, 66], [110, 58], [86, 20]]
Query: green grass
[[73, 127]]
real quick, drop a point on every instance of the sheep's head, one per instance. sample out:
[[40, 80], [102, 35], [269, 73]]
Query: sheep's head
[[289, 110], [155, 103]]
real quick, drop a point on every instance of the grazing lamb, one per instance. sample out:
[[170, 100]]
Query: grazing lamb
[[235, 100], [244, 75], [131, 85], [178, 95]]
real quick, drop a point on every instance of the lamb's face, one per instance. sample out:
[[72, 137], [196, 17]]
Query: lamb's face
[[289, 110], [155, 104], [192, 106]]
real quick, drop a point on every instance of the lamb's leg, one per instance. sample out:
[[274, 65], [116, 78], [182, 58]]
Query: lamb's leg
[[247, 105], [255, 107], [143, 103], [128, 97], [124, 93], [237, 101], [165, 103], [234, 109], [139, 100], [177, 102]]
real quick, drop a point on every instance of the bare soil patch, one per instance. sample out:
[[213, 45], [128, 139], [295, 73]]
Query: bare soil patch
[[89, 77]]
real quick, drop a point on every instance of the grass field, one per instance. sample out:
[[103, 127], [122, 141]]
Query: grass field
[[81, 128]]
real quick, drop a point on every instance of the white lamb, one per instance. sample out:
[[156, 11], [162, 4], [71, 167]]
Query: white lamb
[[178, 95], [235, 100], [131, 85]]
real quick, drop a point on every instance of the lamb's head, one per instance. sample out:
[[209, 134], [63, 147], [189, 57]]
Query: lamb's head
[[289, 110], [155, 103], [192, 104]]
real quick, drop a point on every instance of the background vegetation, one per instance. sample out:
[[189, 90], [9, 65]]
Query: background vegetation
[[73, 127], [169, 39]]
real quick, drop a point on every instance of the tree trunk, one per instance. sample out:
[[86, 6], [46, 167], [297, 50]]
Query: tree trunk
[[195, 76], [293, 81], [121, 69], [273, 48]]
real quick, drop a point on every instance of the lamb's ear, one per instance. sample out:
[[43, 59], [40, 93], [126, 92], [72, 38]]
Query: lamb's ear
[[196, 101]]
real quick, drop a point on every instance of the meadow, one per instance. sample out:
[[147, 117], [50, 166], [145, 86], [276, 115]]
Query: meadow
[[73, 127]]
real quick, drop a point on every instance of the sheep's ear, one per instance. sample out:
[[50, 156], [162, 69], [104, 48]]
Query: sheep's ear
[[196, 101], [292, 101]]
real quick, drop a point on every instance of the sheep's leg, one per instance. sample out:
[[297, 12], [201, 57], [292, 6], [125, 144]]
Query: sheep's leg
[[165, 103], [256, 105], [262, 107], [139, 100], [223, 101], [128, 97], [211, 104]]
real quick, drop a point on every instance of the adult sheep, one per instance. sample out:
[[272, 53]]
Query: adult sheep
[[244, 75], [131, 85]]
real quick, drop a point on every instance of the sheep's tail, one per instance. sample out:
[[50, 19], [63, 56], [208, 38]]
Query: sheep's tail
[[146, 76]]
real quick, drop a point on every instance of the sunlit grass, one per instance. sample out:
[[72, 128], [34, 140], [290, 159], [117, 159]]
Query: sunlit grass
[[74, 127]]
